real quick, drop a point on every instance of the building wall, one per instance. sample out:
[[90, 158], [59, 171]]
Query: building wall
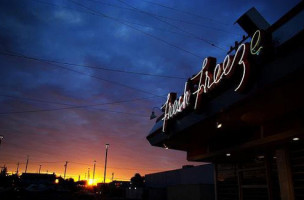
[[202, 174], [157, 194], [134, 193], [188, 183], [191, 192], [274, 174]]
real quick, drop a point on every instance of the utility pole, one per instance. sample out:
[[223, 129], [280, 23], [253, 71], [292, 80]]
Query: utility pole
[[65, 168], [27, 160], [112, 176], [94, 170], [78, 177], [88, 173], [106, 159], [39, 169], [17, 168]]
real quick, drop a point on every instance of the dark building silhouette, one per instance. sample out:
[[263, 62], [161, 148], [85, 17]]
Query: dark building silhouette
[[35, 178], [193, 183]]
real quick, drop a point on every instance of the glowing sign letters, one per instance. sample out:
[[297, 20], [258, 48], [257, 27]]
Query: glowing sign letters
[[211, 76]]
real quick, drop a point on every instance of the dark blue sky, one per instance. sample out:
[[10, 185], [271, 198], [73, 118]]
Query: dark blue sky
[[132, 35]]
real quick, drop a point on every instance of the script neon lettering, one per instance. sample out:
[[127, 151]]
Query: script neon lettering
[[255, 44], [242, 61], [172, 109], [211, 74], [218, 73], [200, 85]]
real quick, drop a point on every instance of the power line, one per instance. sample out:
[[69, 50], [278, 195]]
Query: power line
[[100, 14], [134, 169], [80, 72], [77, 106], [115, 6], [185, 12], [198, 25], [71, 106], [134, 28], [86, 164], [123, 168], [164, 30], [112, 70], [36, 162], [36, 100], [12, 163], [56, 109], [128, 22], [172, 25], [169, 18], [157, 28], [48, 162], [94, 12]]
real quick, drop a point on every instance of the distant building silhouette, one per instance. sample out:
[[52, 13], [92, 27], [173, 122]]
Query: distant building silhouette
[[35, 178]]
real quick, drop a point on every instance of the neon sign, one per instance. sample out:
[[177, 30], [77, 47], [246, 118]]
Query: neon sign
[[210, 77]]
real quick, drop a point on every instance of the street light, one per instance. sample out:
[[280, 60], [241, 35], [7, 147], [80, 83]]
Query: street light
[[152, 116], [106, 159]]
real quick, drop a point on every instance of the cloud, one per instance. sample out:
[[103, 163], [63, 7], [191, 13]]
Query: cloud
[[67, 16], [68, 33]]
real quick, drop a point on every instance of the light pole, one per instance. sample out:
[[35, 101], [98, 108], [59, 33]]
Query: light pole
[[94, 170], [27, 161], [17, 171], [106, 159], [65, 168]]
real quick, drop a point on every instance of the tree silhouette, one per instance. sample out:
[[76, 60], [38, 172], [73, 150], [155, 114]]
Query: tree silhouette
[[3, 171], [137, 180]]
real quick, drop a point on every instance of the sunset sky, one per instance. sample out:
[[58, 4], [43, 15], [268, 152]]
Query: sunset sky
[[121, 59]]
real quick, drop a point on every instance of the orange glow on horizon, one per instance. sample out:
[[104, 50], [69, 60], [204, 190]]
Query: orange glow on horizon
[[121, 167], [92, 182], [74, 171]]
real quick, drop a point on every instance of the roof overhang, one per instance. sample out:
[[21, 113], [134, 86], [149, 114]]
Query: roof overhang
[[269, 113]]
